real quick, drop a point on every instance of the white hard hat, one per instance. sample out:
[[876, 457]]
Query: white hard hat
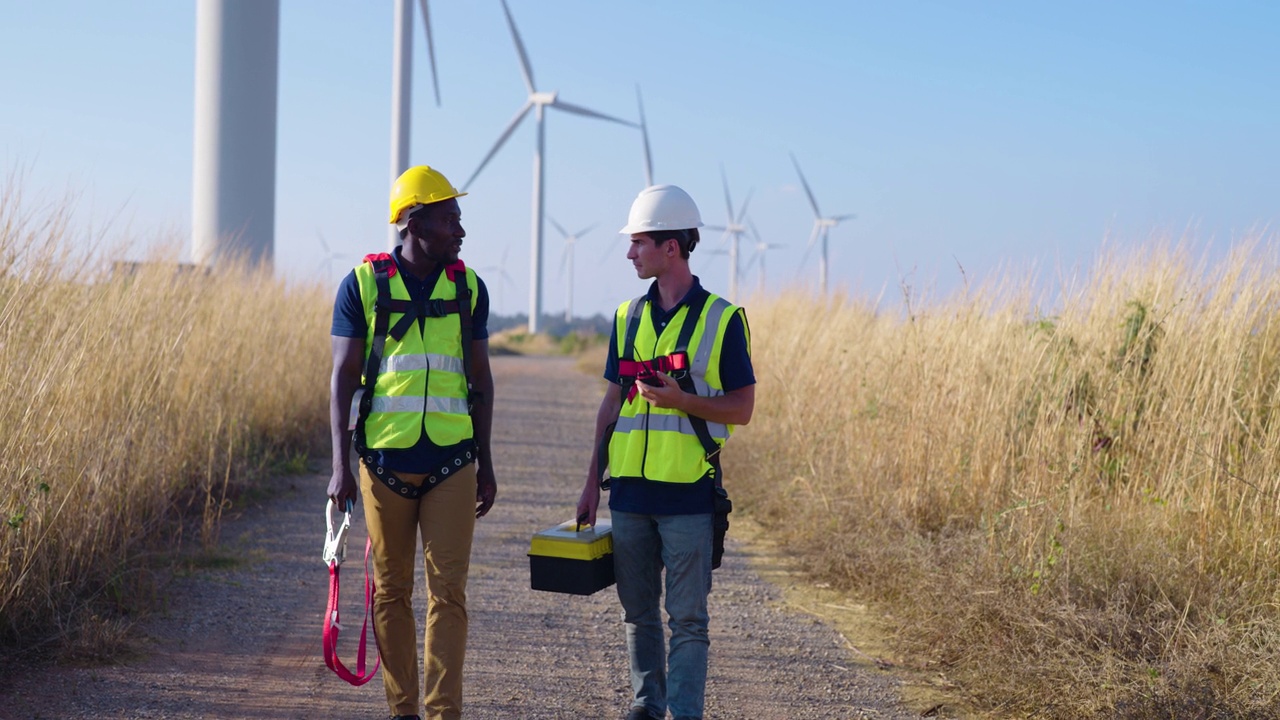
[[662, 207]]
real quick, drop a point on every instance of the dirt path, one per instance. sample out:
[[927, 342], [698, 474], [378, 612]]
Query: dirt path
[[244, 641]]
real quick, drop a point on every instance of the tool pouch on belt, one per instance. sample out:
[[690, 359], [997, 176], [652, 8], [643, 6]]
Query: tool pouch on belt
[[719, 525]]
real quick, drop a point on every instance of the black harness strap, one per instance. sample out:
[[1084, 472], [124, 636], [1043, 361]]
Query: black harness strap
[[384, 305], [685, 381]]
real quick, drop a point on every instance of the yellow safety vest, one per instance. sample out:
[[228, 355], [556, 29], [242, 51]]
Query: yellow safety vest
[[421, 385], [656, 443]]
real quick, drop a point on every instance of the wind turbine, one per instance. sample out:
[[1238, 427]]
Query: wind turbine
[[402, 90], [326, 260], [566, 258], [821, 226], [537, 102], [733, 231], [761, 248], [504, 278]]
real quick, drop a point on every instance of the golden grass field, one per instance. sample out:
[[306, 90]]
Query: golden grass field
[[1066, 513], [134, 400]]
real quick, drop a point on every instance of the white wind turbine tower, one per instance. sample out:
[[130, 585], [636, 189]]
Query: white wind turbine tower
[[402, 90], [733, 231], [538, 102], [566, 259], [762, 247], [821, 226]]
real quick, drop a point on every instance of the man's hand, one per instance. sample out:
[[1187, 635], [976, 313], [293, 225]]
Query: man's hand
[[486, 490], [668, 396], [343, 487], [589, 501]]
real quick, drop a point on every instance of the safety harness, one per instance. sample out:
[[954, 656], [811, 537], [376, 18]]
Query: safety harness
[[384, 267]]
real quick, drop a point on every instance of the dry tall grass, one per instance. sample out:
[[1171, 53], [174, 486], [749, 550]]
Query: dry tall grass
[[1069, 516], [131, 402]]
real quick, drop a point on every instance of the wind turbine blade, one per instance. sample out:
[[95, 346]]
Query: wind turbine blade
[[579, 110], [608, 252], [721, 228], [557, 227], [728, 203], [511, 127], [754, 233], [564, 258], [842, 218], [431, 49], [813, 203], [644, 132], [323, 244], [743, 212], [525, 69], [586, 230]]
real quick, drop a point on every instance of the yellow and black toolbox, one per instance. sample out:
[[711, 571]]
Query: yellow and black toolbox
[[572, 558]]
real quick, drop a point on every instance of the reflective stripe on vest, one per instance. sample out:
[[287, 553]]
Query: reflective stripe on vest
[[668, 423], [415, 405], [421, 386], [660, 444], [406, 363]]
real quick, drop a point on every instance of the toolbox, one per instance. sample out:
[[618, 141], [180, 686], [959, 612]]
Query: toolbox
[[573, 559]]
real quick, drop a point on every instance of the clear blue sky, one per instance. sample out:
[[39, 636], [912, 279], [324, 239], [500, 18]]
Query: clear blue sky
[[970, 132]]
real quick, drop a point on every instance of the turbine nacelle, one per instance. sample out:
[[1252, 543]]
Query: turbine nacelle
[[543, 98]]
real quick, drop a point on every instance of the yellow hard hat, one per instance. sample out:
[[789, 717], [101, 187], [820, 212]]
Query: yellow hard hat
[[420, 185]]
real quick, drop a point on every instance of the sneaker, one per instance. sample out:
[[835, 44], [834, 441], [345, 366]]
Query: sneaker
[[640, 713]]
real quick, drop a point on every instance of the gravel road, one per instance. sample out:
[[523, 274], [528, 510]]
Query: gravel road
[[244, 641]]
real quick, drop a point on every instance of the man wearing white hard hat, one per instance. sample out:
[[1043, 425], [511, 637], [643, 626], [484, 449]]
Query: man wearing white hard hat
[[680, 379]]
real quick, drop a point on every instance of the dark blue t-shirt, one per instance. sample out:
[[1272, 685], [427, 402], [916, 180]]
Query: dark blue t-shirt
[[349, 321], [649, 497]]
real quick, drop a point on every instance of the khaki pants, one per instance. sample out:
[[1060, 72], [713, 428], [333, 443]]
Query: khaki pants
[[446, 518]]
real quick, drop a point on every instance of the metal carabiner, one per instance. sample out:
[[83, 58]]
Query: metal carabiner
[[335, 544]]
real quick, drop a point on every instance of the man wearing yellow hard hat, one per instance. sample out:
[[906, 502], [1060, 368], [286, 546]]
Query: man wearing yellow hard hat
[[412, 391], [680, 378]]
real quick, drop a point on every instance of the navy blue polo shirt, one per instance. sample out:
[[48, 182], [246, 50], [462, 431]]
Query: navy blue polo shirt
[[349, 321], [649, 497]]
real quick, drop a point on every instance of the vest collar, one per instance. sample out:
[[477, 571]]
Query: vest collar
[[655, 299]]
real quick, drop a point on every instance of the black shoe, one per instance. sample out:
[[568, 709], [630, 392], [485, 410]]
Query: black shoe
[[406, 717], [640, 713]]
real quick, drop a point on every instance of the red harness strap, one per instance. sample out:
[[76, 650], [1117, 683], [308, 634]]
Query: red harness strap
[[630, 371], [332, 625]]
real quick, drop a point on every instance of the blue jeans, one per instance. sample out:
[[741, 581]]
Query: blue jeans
[[643, 545]]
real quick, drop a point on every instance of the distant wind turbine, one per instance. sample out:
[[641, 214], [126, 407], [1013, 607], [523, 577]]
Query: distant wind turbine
[[758, 256], [326, 260], [402, 89], [504, 277], [538, 102], [821, 226], [566, 259], [733, 230]]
